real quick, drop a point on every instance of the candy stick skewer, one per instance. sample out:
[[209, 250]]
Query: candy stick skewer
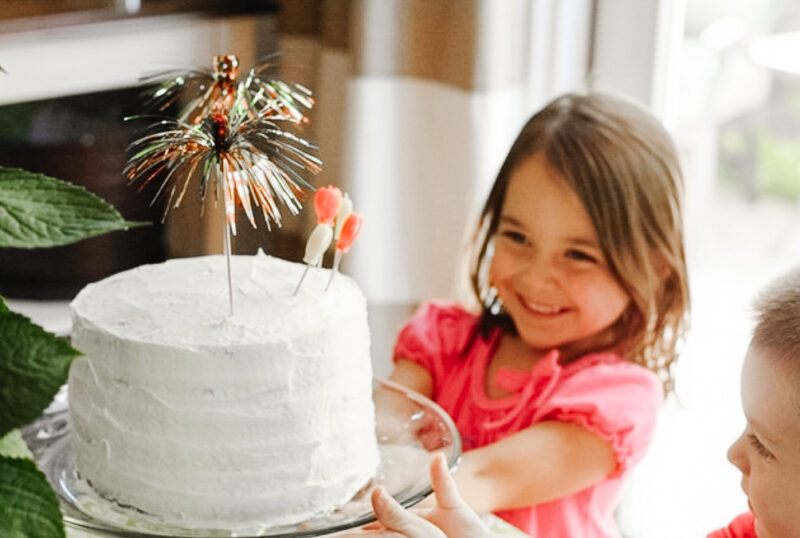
[[349, 232], [345, 210], [326, 204], [318, 242]]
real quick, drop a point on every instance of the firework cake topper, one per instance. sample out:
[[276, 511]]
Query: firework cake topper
[[232, 137], [217, 88]]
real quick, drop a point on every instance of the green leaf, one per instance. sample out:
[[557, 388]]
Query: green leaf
[[28, 507], [33, 366], [14, 446], [3, 307], [41, 211]]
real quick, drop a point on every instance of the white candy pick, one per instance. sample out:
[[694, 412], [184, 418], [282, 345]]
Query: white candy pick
[[318, 242]]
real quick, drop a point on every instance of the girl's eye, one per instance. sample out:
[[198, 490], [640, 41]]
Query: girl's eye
[[580, 255], [514, 236], [760, 449]]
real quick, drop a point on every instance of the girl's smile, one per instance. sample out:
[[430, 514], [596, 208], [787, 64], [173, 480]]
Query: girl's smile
[[548, 267], [542, 310]]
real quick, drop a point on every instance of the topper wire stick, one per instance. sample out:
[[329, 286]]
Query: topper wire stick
[[227, 237], [228, 259]]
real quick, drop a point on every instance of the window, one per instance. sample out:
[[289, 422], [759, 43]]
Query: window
[[736, 119]]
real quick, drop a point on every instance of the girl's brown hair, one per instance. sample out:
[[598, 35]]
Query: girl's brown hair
[[623, 166]]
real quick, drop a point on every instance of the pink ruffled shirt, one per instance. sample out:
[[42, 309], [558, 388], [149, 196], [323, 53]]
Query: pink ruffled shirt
[[612, 398]]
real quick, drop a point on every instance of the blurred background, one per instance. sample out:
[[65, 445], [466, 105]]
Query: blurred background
[[417, 104]]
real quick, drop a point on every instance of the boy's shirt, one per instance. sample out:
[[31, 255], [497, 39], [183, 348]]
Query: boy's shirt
[[741, 527]]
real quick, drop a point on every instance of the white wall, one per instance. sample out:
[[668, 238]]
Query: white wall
[[422, 147], [72, 60]]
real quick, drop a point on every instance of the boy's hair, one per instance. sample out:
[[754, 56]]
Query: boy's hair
[[623, 166], [777, 309]]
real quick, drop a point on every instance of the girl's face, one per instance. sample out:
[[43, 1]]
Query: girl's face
[[768, 452], [548, 267]]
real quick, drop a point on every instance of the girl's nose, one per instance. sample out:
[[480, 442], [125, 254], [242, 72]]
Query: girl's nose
[[737, 454], [538, 272]]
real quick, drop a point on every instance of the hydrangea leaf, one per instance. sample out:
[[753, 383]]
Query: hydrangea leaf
[[28, 507], [41, 211], [33, 366], [12, 445]]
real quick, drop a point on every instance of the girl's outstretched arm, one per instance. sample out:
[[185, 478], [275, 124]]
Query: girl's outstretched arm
[[413, 376], [546, 461]]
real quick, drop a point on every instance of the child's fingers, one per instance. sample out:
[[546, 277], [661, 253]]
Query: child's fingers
[[444, 486], [393, 516]]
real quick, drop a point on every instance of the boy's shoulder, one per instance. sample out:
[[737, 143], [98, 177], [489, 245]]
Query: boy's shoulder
[[741, 527]]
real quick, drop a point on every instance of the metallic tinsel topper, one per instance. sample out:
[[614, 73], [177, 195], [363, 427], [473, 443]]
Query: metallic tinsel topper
[[213, 88], [232, 135]]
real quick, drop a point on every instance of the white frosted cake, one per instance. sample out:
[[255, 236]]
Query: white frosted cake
[[208, 420]]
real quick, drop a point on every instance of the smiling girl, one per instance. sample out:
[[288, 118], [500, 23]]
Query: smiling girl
[[555, 383]]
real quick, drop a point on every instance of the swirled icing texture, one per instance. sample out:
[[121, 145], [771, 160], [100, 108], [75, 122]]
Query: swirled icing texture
[[215, 421]]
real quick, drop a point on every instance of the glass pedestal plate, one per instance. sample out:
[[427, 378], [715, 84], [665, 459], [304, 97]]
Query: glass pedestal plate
[[410, 429]]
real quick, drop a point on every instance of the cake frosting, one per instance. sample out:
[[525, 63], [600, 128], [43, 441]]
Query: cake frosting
[[210, 420]]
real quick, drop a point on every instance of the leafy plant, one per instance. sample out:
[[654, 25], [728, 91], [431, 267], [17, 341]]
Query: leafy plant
[[36, 211]]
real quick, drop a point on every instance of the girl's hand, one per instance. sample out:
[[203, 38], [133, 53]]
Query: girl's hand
[[450, 518]]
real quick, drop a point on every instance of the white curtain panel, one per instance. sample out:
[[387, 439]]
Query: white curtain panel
[[440, 89]]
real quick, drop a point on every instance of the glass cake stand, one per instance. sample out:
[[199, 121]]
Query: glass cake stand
[[410, 429]]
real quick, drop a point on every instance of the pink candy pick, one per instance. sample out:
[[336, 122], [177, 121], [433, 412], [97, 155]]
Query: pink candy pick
[[326, 204], [349, 232]]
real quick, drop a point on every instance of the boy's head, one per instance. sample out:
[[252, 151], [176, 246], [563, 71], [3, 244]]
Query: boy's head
[[768, 451]]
